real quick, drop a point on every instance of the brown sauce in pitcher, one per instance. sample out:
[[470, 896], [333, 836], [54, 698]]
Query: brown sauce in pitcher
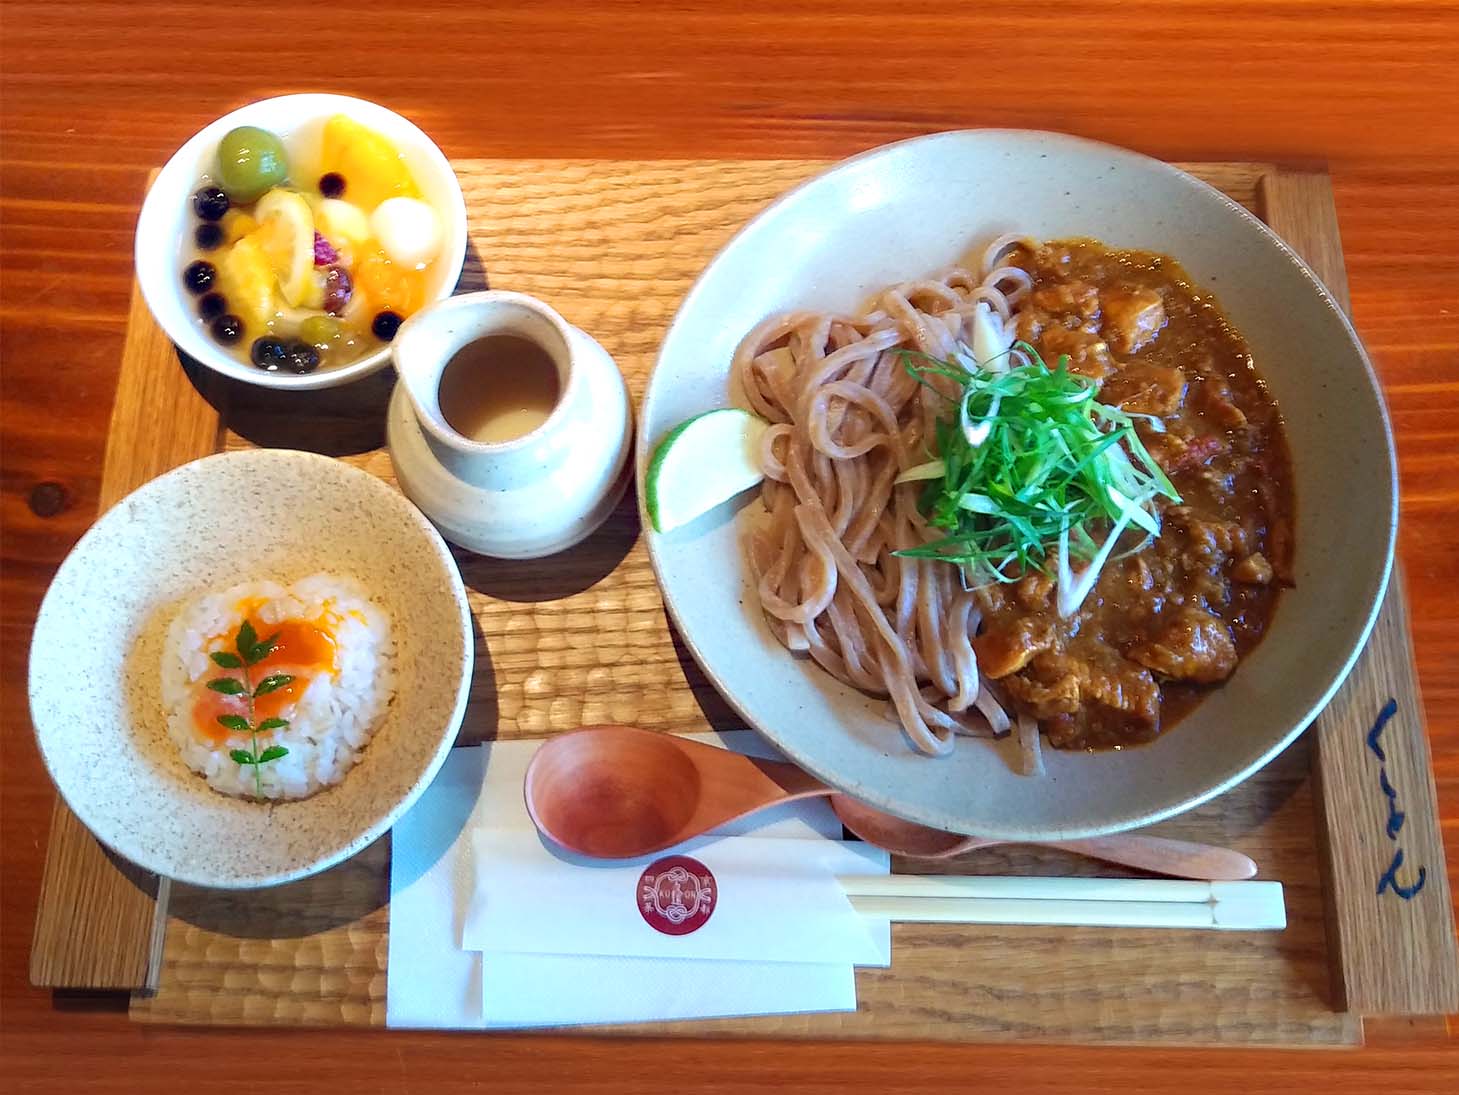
[[499, 388]]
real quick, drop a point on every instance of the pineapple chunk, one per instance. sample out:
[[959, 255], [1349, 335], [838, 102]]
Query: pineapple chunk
[[236, 224], [246, 278]]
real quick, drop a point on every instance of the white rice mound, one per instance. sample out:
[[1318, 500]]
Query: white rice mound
[[332, 720]]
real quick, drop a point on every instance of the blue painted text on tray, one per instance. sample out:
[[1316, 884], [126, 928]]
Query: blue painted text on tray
[[1388, 881]]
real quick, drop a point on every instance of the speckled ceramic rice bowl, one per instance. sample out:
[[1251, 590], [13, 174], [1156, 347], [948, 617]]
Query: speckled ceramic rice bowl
[[128, 638]]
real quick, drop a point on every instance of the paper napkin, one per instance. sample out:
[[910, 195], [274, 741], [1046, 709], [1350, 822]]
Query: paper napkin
[[434, 982], [430, 981], [778, 900]]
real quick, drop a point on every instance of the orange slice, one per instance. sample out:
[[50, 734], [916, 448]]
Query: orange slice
[[371, 166]]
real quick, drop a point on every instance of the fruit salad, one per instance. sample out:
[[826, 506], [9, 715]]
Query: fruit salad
[[304, 262]]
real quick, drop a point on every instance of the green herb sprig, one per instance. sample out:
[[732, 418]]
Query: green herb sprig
[[1029, 462], [249, 652]]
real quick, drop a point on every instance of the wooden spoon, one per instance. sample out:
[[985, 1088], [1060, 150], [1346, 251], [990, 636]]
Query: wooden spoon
[[617, 792], [1157, 854]]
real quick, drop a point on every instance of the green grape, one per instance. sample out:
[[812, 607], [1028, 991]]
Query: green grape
[[250, 160], [320, 331]]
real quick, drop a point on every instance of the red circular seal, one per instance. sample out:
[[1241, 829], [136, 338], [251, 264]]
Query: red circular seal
[[676, 895]]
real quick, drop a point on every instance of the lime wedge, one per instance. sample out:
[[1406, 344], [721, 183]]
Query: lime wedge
[[701, 463]]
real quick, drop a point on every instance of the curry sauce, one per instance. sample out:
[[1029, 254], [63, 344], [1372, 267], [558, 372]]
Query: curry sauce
[[1170, 620]]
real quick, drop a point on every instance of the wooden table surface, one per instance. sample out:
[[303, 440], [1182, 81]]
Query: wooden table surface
[[93, 94]]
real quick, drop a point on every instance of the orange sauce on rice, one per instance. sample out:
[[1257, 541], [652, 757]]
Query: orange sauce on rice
[[304, 649]]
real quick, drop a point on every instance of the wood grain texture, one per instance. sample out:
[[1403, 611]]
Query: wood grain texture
[[1394, 947], [96, 922], [583, 638], [94, 93], [98, 918]]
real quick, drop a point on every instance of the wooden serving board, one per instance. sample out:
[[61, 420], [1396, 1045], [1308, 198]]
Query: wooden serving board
[[583, 638]]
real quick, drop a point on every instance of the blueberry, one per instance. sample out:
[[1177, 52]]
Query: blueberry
[[227, 329], [331, 185], [212, 306], [385, 325], [209, 236], [269, 354], [198, 277], [303, 358], [210, 203]]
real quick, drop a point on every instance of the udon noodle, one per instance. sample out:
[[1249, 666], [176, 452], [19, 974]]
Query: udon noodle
[[846, 419]]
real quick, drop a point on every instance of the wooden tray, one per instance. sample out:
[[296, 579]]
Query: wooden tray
[[583, 638]]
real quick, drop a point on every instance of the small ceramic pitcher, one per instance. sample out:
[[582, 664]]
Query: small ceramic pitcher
[[530, 496]]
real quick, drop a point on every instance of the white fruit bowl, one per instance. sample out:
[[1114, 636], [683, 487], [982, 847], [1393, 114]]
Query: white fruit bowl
[[167, 220]]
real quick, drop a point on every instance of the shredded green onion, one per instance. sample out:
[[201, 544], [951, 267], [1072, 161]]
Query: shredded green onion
[[1028, 462]]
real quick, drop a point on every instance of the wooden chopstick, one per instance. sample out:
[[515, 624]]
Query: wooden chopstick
[[1094, 902]]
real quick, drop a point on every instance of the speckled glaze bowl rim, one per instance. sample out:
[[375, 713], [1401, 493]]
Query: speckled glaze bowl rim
[[313, 104], [1371, 595], [385, 818]]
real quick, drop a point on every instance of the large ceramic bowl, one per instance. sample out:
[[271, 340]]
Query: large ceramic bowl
[[95, 687], [906, 211], [167, 219]]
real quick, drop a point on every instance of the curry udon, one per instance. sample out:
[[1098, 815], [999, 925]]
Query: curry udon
[[1051, 493]]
